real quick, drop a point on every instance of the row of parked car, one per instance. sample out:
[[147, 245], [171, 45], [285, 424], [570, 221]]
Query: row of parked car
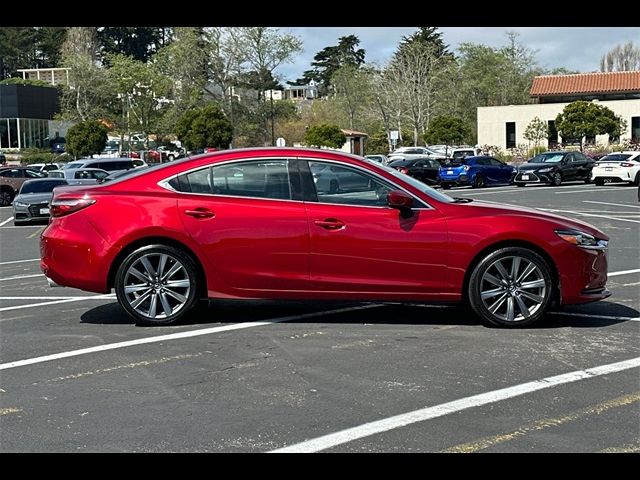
[[551, 168], [30, 188]]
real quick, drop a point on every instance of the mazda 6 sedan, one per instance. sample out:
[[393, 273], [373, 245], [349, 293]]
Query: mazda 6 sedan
[[252, 223]]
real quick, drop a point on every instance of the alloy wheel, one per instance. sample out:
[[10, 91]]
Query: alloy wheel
[[513, 288]]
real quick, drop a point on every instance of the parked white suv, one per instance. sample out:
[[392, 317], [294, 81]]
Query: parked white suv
[[617, 167]]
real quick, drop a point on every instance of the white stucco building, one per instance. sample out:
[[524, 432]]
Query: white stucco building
[[504, 126]]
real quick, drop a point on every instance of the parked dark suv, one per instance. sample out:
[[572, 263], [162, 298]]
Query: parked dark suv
[[554, 168]]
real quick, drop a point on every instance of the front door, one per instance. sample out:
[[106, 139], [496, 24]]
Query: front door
[[359, 244], [243, 217]]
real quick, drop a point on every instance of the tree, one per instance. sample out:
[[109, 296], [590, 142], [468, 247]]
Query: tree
[[426, 36], [204, 127], [352, 89], [185, 61], [328, 60], [586, 119], [325, 135], [621, 58], [49, 45], [86, 138], [140, 87], [137, 42], [88, 95], [447, 130], [537, 131], [17, 49]]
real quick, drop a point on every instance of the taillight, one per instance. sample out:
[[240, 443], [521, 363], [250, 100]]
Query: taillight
[[62, 207], [625, 164]]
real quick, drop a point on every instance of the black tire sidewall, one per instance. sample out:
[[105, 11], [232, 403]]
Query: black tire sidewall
[[189, 266], [473, 292]]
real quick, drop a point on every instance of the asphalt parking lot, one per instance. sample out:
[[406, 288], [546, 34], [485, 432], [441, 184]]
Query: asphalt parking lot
[[77, 375]]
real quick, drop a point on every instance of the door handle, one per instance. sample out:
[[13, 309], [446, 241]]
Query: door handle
[[200, 212], [330, 224]]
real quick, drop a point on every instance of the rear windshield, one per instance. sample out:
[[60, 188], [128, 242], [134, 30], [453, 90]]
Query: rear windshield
[[457, 161], [463, 153], [615, 157], [41, 186]]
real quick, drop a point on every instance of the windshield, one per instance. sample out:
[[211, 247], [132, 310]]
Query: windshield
[[615, 157], [435, 194], [41, 186], [547, 158]]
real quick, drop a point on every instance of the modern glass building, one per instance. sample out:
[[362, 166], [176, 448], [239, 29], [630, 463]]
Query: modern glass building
[[26, 112]]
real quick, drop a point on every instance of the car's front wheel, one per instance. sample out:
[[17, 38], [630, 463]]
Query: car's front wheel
[[511, 287], [157, 284]]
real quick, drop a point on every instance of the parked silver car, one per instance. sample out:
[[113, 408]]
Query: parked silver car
[[32, 202], [79, 176]]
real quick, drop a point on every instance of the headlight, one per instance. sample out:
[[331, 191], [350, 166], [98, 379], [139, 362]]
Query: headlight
[[20, 204], [545, 170], [582, 239]]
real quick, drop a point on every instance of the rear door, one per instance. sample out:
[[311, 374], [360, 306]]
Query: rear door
[[249, 223], [568, 167]]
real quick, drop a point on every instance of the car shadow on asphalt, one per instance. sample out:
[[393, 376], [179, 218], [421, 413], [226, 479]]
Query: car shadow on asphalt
[[240, 311]]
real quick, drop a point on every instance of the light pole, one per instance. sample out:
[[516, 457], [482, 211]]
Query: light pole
[[273, 136]]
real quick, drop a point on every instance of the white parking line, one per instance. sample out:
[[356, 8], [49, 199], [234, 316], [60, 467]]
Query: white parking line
[[553, 210], [614, 204], [77, 299], [427, 413], [6, 221], [18, 277], [50, 297], [601, 190], [176, 336], [21, 261], [623, 272], [590, 315]]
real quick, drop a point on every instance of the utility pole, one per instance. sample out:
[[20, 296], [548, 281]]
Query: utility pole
[[273, 136]]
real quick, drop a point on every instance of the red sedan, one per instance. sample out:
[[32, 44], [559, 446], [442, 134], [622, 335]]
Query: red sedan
[[295, 223]]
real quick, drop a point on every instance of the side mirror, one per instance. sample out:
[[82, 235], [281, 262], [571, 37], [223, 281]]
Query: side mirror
[[401, 201]]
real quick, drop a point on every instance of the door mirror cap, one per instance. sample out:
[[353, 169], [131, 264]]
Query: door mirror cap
[[400, 200]]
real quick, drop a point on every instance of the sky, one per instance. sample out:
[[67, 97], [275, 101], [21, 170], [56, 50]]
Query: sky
[[575, 48]]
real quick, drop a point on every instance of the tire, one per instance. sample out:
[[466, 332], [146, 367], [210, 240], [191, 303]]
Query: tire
[[599, 182], [6, 197], [446, 186], [556, 180], [636, 181], [156, 301], [500, 300], [478, 181], [521, 184]]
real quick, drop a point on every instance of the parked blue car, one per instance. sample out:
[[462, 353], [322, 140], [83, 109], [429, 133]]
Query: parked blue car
[[475, 171]]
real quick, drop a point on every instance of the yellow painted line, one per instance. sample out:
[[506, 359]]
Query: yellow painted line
[[7, 411], [628, 448], [544, 424], [37, 232], [143, 363]]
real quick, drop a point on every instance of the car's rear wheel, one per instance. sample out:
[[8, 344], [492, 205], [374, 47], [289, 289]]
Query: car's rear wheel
[[478, 181], [520, 184], [5, 197], [511, 287], [157, 284], [636, 181]]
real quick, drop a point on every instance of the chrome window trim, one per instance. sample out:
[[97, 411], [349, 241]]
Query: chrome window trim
[[164, 183], [375, 174]]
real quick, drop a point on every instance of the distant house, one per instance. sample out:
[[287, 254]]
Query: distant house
[[301, 92], [54, 76], [504, 126], [354, 143]]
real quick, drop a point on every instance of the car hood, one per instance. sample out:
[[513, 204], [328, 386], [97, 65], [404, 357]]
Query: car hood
[[31, 198], [536, 166], [562, 222]]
